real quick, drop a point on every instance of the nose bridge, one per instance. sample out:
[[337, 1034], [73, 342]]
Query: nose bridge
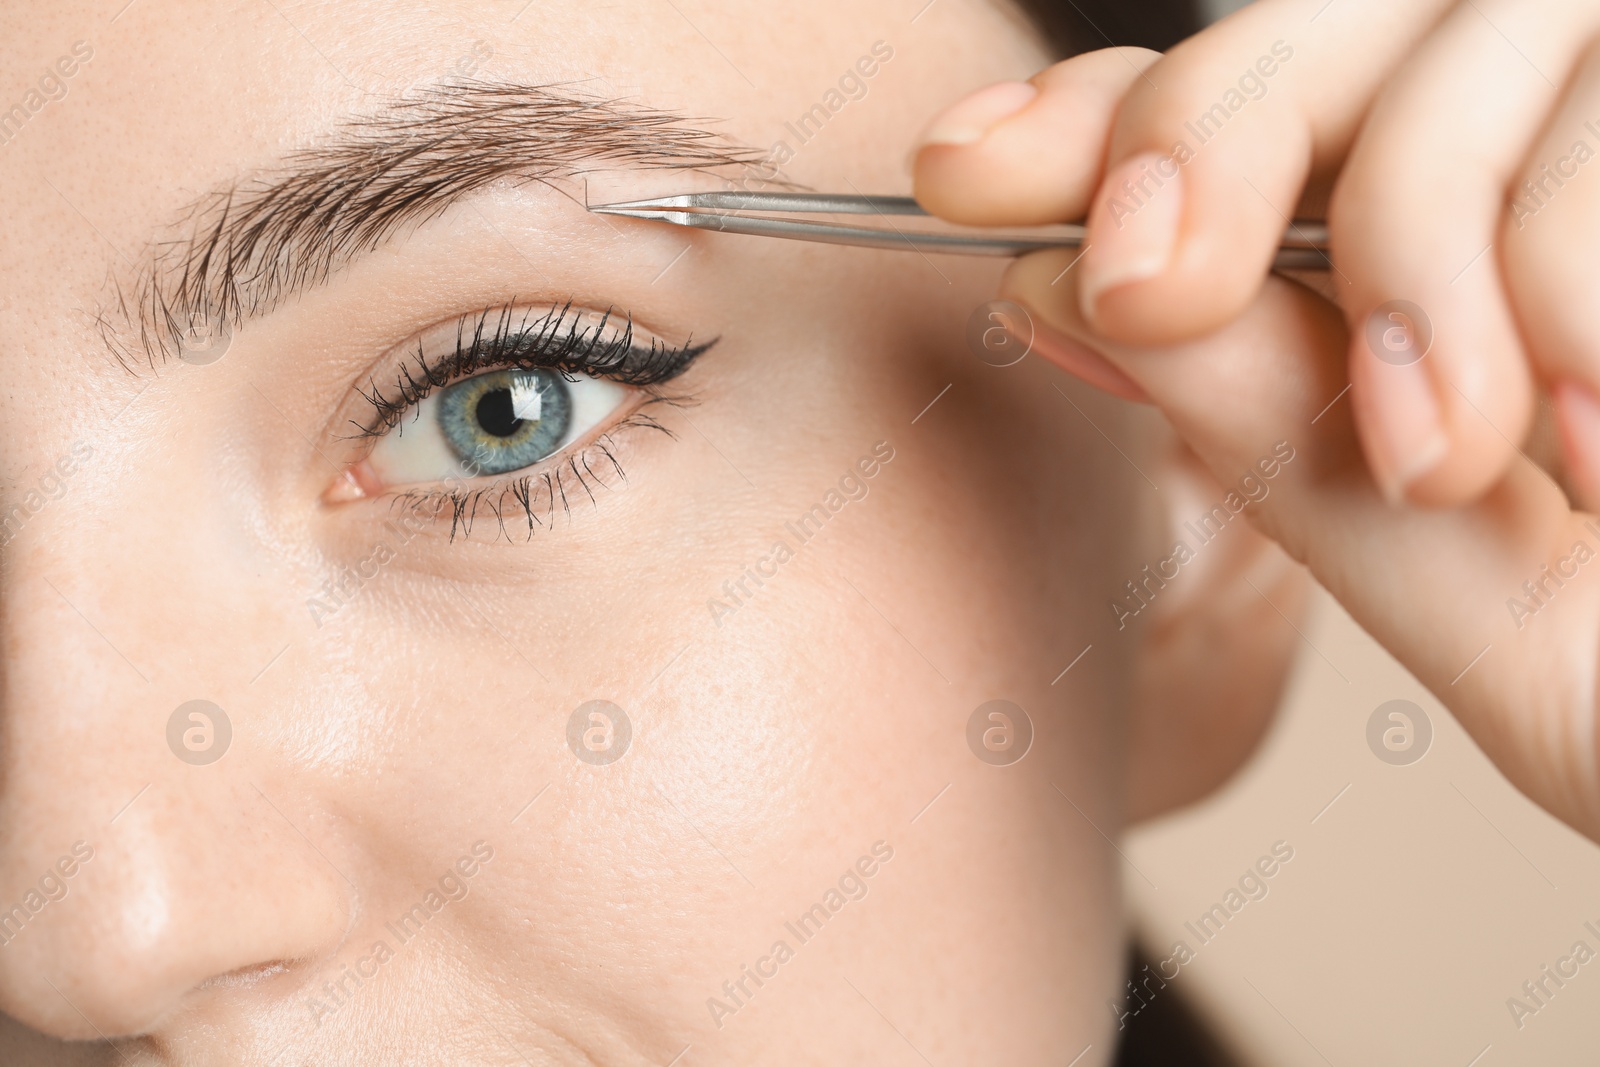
[[92, 623], [74, 702], [147, 843]]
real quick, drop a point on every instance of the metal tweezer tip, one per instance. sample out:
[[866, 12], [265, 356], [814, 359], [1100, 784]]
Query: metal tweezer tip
[[659, 203]]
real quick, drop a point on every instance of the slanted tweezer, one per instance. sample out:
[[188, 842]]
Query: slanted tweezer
[[1304, 245]]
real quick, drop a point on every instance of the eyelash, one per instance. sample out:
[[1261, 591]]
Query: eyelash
[[556, 339]]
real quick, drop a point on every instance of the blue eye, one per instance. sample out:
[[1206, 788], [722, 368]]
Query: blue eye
[[493, 423], [506, 420]]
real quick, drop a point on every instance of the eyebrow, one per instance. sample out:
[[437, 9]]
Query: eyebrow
[[242, 250]]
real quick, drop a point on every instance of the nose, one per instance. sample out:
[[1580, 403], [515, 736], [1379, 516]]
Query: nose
[[139, 876]]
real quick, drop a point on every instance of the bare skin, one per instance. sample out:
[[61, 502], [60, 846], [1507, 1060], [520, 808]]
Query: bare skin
[[188, 530]]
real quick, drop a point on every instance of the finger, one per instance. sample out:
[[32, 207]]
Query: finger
[[1024, 153], [1213, 656], [1552, 267], [1212, 148], [1415, 217], [1261, 398]]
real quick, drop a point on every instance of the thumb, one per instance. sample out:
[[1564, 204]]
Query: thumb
[[1026, 153]]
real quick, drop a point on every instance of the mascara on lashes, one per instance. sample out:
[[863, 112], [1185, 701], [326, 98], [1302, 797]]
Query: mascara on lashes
[[562, 338]]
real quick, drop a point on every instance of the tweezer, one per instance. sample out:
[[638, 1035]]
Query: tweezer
[[1304, 245]]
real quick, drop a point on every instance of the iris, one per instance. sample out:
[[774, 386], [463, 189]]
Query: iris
[[505, 420]]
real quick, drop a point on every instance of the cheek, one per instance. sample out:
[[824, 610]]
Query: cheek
[[766, 753]]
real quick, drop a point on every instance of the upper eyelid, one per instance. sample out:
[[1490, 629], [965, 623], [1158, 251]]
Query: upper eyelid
[[243, 249], [417, 375]]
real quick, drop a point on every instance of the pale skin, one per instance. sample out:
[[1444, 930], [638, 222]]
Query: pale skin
[[421, 728], [1421, 127]]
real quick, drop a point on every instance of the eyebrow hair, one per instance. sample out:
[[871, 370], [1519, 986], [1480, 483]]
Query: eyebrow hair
[[244, 249]]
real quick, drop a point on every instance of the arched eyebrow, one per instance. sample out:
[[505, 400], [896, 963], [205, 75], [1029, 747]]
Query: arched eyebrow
[[244, 249]]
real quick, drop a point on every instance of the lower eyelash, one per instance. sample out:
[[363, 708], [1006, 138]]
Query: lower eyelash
[[537, 494]]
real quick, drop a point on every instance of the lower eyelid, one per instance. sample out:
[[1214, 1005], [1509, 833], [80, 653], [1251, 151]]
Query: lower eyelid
[[541, 495]]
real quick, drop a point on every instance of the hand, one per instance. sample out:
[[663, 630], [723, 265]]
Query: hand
[[1414, 504]]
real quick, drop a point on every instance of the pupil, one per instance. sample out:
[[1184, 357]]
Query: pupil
[[496, 415]]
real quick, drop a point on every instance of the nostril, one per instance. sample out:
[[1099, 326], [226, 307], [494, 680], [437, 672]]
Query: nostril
[[245, 977], [155, 930]]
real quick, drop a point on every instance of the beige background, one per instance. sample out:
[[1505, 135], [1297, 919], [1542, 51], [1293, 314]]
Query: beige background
[[1415, 904]]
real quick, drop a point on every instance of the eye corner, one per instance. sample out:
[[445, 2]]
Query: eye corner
[[355, 482]]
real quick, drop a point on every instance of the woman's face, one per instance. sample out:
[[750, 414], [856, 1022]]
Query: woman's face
[[413, 516]]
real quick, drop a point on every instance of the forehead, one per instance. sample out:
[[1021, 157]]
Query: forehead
[[124, 122], [179, 99]]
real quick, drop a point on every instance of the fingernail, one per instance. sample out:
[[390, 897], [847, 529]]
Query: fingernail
[[1404, 427], [1578, 416], [1079, 360], [1133, 226], [967, 120]]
